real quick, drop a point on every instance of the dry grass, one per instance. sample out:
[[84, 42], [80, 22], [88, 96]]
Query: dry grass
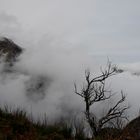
[[16, 125]]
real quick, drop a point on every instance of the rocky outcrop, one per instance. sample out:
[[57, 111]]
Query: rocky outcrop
[[9, 51]]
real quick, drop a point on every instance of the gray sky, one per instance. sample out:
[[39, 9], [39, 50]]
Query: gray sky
[[75, 34], [106, 28]]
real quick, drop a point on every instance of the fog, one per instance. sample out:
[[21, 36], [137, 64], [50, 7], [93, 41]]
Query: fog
[[60, 40]]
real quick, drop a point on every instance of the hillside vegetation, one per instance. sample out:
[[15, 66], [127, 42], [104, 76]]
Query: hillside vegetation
[[16, 125]]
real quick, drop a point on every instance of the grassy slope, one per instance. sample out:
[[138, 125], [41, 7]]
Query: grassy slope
[[15, 125], [131, 131]]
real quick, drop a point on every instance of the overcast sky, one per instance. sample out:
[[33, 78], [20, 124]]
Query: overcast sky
[[90, 30], [109, 28]]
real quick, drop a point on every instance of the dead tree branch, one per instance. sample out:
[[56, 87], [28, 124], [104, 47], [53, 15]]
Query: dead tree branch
[[94, 90]]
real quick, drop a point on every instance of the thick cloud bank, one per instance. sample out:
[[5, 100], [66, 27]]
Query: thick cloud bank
[[41, 79]]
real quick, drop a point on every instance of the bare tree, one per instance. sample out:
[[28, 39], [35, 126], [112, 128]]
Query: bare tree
[[94, 90]]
